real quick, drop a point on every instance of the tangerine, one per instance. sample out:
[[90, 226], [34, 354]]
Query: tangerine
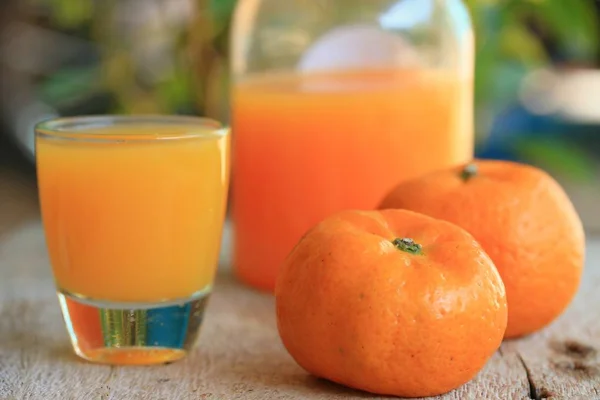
[[525, 222], [390, 302]]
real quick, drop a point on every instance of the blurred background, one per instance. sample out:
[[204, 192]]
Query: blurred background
[[537, 79]]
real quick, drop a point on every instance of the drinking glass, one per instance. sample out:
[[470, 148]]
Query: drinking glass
[[133, 210]]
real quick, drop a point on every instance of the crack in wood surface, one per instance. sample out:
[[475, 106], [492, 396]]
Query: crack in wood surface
[[111, 373], [533, 392]]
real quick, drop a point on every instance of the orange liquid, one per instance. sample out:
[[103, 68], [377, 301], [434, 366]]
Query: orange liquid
[[306, 147], [134, 221]]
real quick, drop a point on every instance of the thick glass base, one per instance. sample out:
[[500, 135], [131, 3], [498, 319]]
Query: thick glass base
[[132, 333]]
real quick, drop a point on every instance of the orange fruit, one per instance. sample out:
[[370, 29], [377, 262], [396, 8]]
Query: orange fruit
[[524, 221], [391, 302]]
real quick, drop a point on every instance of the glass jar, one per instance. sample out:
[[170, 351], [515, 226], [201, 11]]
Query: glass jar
[[334, 102]]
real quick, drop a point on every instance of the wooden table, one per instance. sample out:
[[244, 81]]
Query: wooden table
[[239, 355]]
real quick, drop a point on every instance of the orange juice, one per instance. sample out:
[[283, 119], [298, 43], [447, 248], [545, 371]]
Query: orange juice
[[133, 213], [306, 146]]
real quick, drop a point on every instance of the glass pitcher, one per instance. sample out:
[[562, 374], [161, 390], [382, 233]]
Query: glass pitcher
[[334, 102]]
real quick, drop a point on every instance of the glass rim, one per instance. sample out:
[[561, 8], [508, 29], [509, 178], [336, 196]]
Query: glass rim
[[77, 128]]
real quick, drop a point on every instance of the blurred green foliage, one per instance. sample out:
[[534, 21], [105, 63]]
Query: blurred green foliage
[[558, 156], [509, 44], [509, 37]]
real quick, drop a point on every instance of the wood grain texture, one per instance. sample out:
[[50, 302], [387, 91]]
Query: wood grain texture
[[239, 355]]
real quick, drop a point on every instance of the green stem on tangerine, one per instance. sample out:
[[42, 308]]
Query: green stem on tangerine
[[408, 245], [469, 171]]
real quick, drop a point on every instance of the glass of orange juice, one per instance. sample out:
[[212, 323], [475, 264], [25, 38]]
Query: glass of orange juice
[[133, 210]]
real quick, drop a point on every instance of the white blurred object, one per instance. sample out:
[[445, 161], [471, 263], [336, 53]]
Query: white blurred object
[[358, 46], [537, 92], [580, 95], [573, 95]]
